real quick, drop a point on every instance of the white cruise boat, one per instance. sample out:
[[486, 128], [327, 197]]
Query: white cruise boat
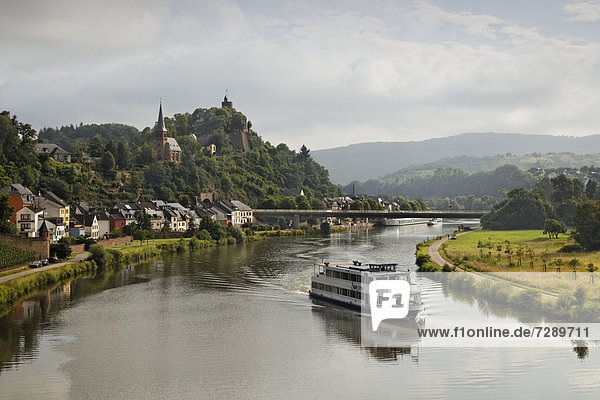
[[403, 221], [347, 284]]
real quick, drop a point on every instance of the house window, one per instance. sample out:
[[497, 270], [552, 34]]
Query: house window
[[26, 217]]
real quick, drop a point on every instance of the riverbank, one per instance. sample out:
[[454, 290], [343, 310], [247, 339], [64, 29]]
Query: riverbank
[[19, 285], [524, 269]]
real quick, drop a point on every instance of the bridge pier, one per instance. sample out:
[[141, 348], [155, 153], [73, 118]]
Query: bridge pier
[[296, 223]]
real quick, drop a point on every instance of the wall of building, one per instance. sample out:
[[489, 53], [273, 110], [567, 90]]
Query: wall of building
[[39, 245]]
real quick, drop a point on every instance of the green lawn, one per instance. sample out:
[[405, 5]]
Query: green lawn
[[536, 250]]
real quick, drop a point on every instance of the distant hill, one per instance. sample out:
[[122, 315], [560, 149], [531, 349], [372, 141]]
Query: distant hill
[[471, 164], [369, 160], [451, 182]]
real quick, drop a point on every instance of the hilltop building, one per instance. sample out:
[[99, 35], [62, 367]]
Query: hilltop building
[[167, 149], [226, 103]]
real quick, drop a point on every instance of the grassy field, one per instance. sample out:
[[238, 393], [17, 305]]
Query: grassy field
[[516, 251], [526, 258]]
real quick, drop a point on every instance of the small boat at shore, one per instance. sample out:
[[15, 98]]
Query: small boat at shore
[[347, 284], [433, 221]]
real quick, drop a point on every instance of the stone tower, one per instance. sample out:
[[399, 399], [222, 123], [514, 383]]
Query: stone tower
[[226, 103], [160, 136]]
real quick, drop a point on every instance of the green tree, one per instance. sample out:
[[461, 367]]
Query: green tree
[[553, 228], [587, 224], [523, 209], [96, 147], [143, 221], [6, 227], [108, 162], [302, 203], [287, 203], [123, 155], [591, 188]]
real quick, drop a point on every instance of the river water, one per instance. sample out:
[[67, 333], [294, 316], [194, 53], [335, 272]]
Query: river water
[[236, 323]]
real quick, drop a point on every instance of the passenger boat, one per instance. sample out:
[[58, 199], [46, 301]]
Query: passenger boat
[[432, 221], [403, 221], [347, 284]]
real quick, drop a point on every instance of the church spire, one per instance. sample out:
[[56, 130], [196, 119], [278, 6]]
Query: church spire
[[160, 124]]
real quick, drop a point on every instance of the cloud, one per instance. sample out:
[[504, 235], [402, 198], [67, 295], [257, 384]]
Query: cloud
[[322, 74], [583, 11]]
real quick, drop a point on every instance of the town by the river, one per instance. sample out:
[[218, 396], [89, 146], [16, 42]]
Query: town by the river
[[236, 322]]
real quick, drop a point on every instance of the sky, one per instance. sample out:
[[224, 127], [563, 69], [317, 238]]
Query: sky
[[321, 73]]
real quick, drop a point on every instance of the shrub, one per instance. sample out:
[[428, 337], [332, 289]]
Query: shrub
[[429, 267], [204, 235], [236, 233], [571, 248], [448, 268], [194, 243], [87, 243], [99, 255], [67, 240], [60, 250], [422, 259]]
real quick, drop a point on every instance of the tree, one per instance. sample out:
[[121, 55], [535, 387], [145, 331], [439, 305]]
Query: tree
[[573, 263], [587, 224], [6, 227], [302, 203], [123, 155], [590, 189], [304, 152], [108, 162], [325, 228], [143, 235], [523, 209], [143, 221], [96, 147], [287, 203], [60, 250], [553, 228]]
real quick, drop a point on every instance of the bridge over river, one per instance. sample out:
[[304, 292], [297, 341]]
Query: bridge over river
[[296, 215]]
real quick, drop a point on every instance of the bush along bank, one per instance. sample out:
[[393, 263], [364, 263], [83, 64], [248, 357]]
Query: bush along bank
[[103, 260], [15, 290]]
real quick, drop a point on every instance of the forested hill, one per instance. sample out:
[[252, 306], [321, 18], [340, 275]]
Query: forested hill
[[451, 182], [370, 160], [472, 164], [125, 168]]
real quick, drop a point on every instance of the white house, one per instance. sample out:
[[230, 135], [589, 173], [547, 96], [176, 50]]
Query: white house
[[29, 220]]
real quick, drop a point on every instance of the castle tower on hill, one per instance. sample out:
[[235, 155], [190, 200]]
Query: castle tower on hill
[[227, 103], [166, 148]]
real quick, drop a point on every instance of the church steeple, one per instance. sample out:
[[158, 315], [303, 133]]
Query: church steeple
[[160, 124]]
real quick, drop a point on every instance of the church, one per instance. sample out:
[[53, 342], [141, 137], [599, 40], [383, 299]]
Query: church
[[166, 148]]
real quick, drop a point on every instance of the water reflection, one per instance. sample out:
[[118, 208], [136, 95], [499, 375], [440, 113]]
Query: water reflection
[[237, 323], [347, 324]]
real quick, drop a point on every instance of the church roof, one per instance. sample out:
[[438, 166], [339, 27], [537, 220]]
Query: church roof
[[172, 145]]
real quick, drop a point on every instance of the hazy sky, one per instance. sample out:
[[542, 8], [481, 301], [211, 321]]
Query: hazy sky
[[324, 73]]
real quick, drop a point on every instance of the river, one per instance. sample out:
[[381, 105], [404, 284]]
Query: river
[[237, 323]]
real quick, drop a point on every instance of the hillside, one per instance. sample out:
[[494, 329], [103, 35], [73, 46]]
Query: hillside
[[370, 160], [471, 164], [126, 168], [451, 183]]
